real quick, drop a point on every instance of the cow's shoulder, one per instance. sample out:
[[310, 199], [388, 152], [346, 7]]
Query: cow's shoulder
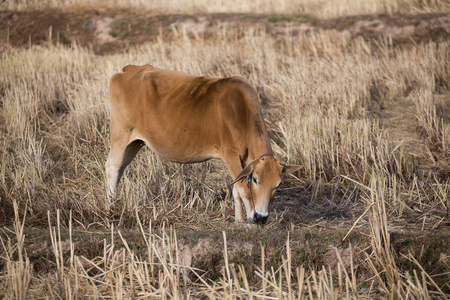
[[238, 101], [244, 105], [240, 92], [239, 83], [234, 81]]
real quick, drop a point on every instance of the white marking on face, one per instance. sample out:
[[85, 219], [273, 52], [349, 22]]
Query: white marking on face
[[262, 211]]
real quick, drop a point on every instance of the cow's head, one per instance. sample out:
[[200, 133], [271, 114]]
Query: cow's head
[[262, 177]]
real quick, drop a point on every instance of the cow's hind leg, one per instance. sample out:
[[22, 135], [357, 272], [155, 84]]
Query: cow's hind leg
[[119, 158]]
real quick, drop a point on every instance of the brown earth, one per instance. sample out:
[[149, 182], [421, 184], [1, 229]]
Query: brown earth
[[204, 250], [109, 31]]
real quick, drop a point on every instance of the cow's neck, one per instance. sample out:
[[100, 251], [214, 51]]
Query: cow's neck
[[259, 142], [259, 146]]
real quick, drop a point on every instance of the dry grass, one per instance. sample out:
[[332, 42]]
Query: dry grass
[[160, 271], [55, 117], [323, 97]]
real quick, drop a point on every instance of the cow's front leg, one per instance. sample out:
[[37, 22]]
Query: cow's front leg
[[243, 196], [238, 217], [240, 191]]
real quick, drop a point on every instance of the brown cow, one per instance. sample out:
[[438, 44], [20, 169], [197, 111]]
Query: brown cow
[[190, 119]]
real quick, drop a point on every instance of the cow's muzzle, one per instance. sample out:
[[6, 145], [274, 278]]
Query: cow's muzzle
[[260, 219]]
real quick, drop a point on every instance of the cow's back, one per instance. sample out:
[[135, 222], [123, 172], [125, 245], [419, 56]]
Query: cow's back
[[144, 88], [182, 117]]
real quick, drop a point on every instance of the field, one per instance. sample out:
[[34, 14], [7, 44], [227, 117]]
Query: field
[[358, 92]]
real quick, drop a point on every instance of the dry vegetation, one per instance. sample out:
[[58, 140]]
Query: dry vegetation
[[367, 118]]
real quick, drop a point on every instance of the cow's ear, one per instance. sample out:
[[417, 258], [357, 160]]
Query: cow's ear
[[244, 173], [291, 169]]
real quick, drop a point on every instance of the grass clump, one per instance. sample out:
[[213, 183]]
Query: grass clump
[[274, 18]]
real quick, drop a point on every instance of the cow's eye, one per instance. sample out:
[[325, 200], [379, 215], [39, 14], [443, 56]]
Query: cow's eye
[[255, 180]]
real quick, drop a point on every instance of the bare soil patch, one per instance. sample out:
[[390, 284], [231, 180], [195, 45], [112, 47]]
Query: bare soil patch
[[311, 248], [110, 31]]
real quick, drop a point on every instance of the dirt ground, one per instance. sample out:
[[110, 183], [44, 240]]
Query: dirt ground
[[109, 31]]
